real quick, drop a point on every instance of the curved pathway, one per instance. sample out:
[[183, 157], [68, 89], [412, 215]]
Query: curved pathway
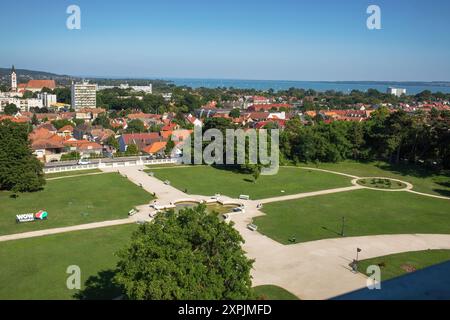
[[311, 270]]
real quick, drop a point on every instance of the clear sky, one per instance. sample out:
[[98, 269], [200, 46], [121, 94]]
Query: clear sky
[[237, 39]]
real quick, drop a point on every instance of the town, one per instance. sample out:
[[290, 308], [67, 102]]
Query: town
[[215, 159], [83, 127]]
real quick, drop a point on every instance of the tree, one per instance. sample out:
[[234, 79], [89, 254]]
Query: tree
[[190, 255], [34, 120], [112, 141], [132, 150], [135, 126], [10, 109], [169, 146], [58, 124], [235, 113], [20, 170]]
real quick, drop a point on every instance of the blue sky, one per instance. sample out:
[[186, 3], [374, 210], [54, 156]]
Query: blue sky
[[245, 39]]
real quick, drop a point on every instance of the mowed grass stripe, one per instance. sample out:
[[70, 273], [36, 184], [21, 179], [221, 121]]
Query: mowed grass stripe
[[366, 212], [72, 201], [36, 268], [205, 180]]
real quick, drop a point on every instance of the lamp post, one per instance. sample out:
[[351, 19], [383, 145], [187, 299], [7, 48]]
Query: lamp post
[[358, 250]]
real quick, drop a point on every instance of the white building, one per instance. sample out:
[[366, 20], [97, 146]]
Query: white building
[[84, 95], [396, 91], [48, 100], [145, 89], [24, 105]]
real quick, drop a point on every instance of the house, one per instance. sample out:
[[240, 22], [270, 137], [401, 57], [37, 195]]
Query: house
[[270, 107], [82, 131], [141, 140], [84, 147], [46, 145], [170, 126], [258, 116], [100, 135], [193, 120], [176, 135], [259, 100], [155, 148], [89, 114], [66, 131]]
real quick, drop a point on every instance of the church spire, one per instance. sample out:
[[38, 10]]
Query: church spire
[[13, 70]]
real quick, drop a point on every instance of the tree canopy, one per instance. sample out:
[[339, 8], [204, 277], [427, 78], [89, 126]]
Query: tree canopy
[[186, 255], [20, 170]]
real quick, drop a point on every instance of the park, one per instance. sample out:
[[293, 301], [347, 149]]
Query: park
[[296, 212]]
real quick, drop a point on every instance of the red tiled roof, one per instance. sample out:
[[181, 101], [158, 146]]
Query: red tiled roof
[[40, 84], [139, 137], [155, 147]]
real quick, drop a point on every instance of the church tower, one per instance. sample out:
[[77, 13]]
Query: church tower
[[13, 79]]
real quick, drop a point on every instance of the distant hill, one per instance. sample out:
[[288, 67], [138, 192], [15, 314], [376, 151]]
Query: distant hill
[[24, 75]]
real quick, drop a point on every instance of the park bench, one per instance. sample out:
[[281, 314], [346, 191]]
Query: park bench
[[132, 212], [252, 227], [244, 197]]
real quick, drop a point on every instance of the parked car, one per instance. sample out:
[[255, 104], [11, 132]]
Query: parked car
[[83, 162]]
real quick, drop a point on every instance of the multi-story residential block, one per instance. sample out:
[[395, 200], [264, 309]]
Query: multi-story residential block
[[84, 95], [396, 91], [48, 100]]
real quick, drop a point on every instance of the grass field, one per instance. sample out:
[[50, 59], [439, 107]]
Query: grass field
[[269, 292], [71, 173], [366, 212], [422, 180], [400, 264], [203, 180], [35, 268], [72, 201]]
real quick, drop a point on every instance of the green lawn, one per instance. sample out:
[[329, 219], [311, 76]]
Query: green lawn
[[71, 173], [72, 201], [269, 292], [399, 264], [204, 180], [35, 268], [366, 212], [423, 180]]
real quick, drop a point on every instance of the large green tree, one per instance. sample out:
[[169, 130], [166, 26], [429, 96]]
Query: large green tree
[[185, 255], [20, 170], [10, 109]]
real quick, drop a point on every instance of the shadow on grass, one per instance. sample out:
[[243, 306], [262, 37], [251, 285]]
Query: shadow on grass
[[100, 287], [410, 170], [442, 192], [332, 231]]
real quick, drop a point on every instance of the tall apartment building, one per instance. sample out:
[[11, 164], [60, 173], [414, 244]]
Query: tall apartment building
[[396, 91], [47, 99], [84, 95]]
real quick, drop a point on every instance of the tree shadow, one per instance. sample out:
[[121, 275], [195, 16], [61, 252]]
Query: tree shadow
[[100, 287], [409, 170], [443, 192]]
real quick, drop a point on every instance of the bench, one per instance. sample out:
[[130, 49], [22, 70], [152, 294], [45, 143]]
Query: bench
[[132, 212], [244, 197], [252, 227]]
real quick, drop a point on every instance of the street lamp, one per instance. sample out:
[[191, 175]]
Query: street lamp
[[343, 227], [358, 250]]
